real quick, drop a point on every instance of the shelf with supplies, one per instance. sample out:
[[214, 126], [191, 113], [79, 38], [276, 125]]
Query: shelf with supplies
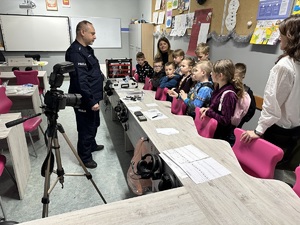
[[118, 68]]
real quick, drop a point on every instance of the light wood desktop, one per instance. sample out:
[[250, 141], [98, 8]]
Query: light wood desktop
[[24, 101], [36, 66], [236, 198], [42, 75], [18, 150]]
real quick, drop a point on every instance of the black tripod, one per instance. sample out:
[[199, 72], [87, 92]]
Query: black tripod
[[47, 167]]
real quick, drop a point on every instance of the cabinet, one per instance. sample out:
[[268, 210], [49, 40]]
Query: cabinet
[[141, 40]]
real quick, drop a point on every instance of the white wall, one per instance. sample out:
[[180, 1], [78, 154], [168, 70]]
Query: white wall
[[124, 9]]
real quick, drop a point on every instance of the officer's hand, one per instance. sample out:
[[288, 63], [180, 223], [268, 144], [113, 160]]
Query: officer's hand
[[96, 107]]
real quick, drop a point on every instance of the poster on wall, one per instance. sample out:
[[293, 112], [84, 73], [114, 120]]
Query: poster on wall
[[200, 29], [274, 9], [66, 3], [296, 9], [51, 5], [266, 32]]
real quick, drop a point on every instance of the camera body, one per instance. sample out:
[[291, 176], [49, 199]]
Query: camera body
[[56, 99]]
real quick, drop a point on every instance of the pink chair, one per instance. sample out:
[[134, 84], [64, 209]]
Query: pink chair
[[2, 168], [207, 126], [29, 125], [296, 186], [5, 102], [148, 84], [136, 77], [257, 158], [178, 107], [161, 94], [29, 77]]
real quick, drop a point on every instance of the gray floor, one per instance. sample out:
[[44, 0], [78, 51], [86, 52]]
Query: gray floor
[[78, 192]]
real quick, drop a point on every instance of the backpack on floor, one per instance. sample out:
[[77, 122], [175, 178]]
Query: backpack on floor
[[241, 107]]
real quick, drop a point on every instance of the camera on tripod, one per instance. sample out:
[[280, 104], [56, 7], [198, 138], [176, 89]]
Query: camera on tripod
[[56, 99]]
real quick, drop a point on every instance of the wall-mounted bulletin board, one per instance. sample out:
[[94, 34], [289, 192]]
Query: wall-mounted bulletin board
[[247, 12]]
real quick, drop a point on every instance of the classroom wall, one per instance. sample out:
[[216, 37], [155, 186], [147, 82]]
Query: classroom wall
[[124, 9]]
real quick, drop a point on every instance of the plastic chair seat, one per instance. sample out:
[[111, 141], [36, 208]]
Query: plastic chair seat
[[32, 124], [257, 158], [2, 163], [148, 84], [5, 102], [178, 107], [161, 94], [296, 186], [206, 127]]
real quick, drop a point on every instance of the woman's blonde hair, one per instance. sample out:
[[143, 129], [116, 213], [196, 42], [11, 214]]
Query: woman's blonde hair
[[227, 68]]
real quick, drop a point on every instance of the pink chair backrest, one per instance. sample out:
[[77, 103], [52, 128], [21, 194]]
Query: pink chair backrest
[[207, 126], [296, 187], [178, 107], [136, 77], [257, 158], [27, 77], [2, 163], [148, 84], [161, 94], [5, 102]]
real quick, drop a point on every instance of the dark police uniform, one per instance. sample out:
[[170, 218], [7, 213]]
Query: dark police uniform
[[87, 80]]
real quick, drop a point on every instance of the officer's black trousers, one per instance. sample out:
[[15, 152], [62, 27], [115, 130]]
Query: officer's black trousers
[[87, 124]]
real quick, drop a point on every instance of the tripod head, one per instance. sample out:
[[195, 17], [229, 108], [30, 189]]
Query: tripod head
[[56, 99]]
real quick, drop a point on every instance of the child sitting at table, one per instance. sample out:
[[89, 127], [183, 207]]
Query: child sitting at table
[[223, 76], [200, 94], [202, 52], [171, 79], [143, 69], [186, 81], [178, 56], [158, 73]]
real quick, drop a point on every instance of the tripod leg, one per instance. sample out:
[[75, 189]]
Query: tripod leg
[[45, 199], [87, 173], [60, 171]]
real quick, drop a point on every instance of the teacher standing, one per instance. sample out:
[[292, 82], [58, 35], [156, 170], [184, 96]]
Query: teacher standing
[[164, 51], [279, 122], [87, 80]]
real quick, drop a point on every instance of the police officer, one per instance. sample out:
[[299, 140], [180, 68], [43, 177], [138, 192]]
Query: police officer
[[87, 80]]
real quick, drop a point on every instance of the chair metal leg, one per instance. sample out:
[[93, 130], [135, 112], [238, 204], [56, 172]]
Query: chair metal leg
[[2, 209], [35, 155]]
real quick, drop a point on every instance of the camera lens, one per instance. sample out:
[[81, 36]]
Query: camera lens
[[72, 100]]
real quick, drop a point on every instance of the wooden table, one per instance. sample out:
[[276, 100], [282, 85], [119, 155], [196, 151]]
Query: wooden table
[[236, 198], [24, 101], [18, 150], [36, 66], [42, 75]]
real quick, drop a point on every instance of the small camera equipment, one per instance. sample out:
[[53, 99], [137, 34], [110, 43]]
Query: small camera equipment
[[54, 101]]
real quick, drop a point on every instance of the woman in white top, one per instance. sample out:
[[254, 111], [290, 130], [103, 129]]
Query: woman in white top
[[279, 122]]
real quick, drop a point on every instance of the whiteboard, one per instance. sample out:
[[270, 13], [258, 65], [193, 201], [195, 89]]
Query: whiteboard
[[35, 33], [108, 31]]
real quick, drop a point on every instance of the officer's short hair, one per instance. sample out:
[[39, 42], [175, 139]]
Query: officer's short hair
[[82, 25]]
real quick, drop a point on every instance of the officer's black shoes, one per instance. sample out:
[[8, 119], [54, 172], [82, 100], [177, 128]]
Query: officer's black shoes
[[98, 148], [91, 164]]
